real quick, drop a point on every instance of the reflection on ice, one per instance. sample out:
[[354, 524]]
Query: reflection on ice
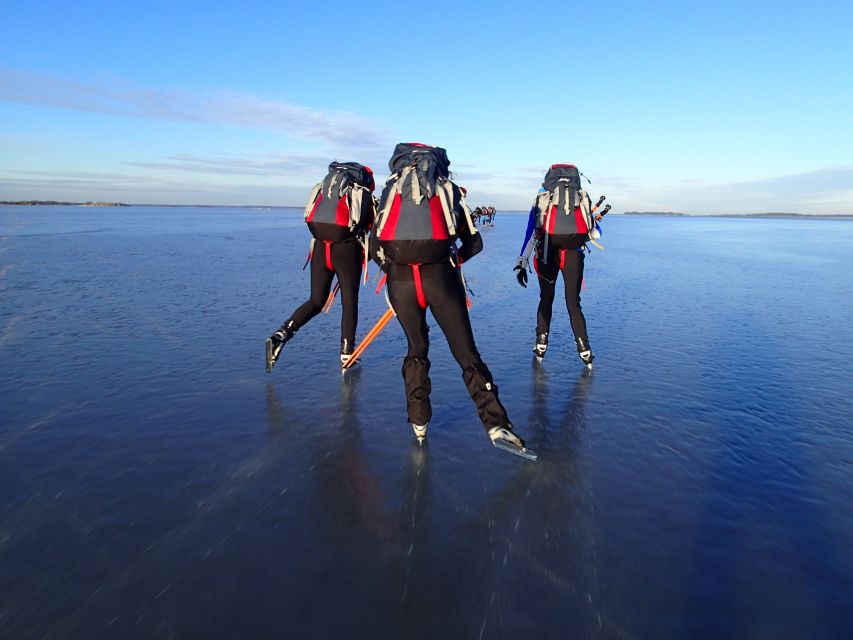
[[156, 482]]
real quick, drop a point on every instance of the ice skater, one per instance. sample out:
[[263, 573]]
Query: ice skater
[[339, 213], [562, 220], [421, 216]]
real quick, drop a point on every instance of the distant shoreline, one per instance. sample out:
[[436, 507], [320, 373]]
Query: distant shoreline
[[55, 203], [672, 214], [657, 214]]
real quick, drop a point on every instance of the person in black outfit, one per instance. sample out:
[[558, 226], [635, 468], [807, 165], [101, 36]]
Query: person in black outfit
[[557, 235], [423, 273], [338, 249], [568, 260]]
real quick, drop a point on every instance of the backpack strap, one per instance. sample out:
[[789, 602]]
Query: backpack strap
[[315, 192], [586, 210], [331, 185], [310, 253], [466, 212], [412, 173], [445, 196], [543, 206], [355, 199], [569, 197], [382, 217]]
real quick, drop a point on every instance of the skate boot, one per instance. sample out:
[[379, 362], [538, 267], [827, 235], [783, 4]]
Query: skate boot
[[584, 352], [346, 351], [420, 431], [541, 345], [504, 438], [277, 340]]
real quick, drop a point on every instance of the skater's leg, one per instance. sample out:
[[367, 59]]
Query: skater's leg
[[347, 260], [321, 284], [445, 296], [547, 286], [573, 280], [404, 299]]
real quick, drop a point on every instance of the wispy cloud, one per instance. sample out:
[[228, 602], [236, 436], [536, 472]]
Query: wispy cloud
[[140, 188], [825, 190], [303, 166], [340, 129]]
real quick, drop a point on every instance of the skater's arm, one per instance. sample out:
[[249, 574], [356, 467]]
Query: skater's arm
[[374, 251], [530, 237], [472, 243]]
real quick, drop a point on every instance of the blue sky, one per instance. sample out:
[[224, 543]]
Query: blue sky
[[712, 108]]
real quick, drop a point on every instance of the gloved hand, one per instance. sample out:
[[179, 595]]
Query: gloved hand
[[521, 267]]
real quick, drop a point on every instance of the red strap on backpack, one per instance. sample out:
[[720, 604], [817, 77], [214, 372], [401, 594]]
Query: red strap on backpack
[[342, 213], [328, 255], [580, 223], [419, 289], [314, 208], [389, 231], [381, 284], [562, 259]]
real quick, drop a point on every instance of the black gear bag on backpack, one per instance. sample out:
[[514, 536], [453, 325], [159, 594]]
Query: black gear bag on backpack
[[564, 209], [420, 207], [341, 206]]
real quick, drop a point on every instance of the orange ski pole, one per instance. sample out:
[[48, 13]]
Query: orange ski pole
[[331, 299], [380, 324]]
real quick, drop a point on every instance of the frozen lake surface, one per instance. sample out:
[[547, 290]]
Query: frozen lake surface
[[155, 482]]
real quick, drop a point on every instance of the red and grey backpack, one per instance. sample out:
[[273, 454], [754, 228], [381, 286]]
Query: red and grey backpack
[[341, 206], [563, 208], [420, 207]]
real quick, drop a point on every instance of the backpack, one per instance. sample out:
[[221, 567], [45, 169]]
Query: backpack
[[563, 208], [420, 207], [341, 206]]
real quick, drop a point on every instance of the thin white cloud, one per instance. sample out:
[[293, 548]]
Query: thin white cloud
[[302, 166], [340, 129], [135, 188], [827, 190]]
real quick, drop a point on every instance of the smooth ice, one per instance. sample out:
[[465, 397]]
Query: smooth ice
[[155, 482]]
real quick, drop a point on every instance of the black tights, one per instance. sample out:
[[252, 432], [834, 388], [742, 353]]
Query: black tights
[[346, 261], [572, 271], [442, 291]]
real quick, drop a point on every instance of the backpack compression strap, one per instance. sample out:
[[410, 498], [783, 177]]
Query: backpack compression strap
[[382, 217], [355, 200], [312, 199]]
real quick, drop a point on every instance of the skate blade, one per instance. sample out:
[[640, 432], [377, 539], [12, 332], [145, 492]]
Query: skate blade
[[270, 360], [346, 366], [509, 447]]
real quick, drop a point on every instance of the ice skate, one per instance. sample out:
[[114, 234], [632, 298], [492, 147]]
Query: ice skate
[[541, 345], [346, 352], [420, 431], [276, 342], [585, 353], [504, 438]]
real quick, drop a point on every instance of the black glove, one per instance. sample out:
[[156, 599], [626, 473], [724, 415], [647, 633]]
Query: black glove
[[521, 276]]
